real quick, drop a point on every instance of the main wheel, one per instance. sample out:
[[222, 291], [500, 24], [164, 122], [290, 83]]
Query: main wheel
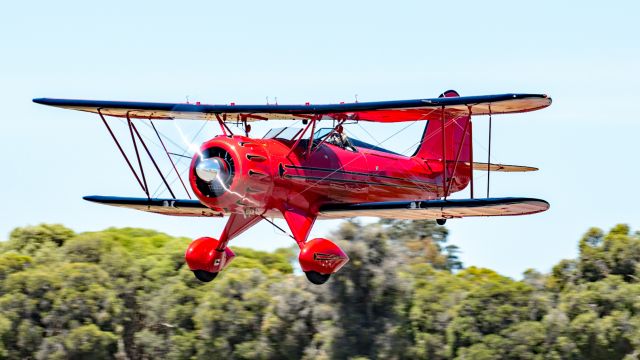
[[441, 221], [204, 276], [317, 278]]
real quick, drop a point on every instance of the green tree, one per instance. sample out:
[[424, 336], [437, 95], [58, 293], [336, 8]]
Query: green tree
[[423, 241], [617, 253], [31, 239], [367, 295], [126, 293], [89, 342]]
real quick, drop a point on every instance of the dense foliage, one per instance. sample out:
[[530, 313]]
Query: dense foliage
[[126, 293]]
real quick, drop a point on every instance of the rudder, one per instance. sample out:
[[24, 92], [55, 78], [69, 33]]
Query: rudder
[[457, 145]]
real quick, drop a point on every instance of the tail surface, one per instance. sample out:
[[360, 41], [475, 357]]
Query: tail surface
[[452, 147]]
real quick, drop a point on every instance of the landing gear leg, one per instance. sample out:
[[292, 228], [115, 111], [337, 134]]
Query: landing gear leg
[[319, 258], [206, 257]]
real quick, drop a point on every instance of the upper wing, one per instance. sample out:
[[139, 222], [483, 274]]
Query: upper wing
[[437, 209], [379, 111], [159, 206]]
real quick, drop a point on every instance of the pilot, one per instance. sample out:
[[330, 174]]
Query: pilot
[[339, 138]]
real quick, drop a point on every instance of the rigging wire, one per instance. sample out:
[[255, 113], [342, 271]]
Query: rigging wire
[[183, 156], [184, 151], [170, 159], [169, 139], [413, 178], [179, 161], [124, 122], [178, 155], [355, 158], [153, 142], [489, 154], [277, 227]]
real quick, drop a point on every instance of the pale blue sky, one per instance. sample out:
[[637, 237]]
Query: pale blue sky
[[585, 55]]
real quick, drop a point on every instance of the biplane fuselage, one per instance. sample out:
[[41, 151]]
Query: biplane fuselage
[[270, 176]]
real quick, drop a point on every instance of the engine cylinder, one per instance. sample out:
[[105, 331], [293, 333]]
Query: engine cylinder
[[232, 175]]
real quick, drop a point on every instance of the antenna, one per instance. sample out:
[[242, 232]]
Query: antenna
[[276, 100], [187, 97], [356, 96], [267, 100]]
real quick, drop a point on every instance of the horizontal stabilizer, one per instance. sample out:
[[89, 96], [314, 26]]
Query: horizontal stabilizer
[[174, 207], [502, 167], [437, 209]]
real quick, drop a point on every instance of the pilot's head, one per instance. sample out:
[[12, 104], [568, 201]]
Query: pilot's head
[[339, 129]]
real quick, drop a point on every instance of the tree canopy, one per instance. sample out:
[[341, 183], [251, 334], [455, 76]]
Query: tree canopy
[[126, 293]]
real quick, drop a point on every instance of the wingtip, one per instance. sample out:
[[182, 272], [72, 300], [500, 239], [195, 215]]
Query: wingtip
[[545, 204], [47, 101]]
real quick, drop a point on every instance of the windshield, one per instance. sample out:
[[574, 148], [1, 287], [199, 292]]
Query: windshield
[[322, 133], [289, 133], [284, 133]]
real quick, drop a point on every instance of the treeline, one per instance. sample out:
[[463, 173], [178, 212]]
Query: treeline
[[127, 294]]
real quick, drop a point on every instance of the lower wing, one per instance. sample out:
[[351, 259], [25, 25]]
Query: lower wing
[[437, 209], [411, 210], [175, 207]]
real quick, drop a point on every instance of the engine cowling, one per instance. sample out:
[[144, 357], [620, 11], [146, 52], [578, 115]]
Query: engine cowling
[[232, 175]]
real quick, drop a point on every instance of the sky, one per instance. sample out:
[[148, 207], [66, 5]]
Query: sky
[[584, 55]]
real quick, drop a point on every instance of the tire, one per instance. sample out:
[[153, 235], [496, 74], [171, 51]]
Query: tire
[[204, 276], [441, 221], [316, 278]]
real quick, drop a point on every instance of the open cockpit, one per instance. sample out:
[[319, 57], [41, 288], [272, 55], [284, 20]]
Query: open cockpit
[[326, 135]]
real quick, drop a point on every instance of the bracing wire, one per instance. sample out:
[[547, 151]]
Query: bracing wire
[[182, 156], [355, 158]]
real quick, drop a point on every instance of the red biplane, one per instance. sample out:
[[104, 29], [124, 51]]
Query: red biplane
[[318, 172]]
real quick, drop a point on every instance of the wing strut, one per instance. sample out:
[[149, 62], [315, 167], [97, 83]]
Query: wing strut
[[459, 152], [170, 159], [223, 125], [133, 130], [135, 147], [326, 137], [471, 155], [488, 153], [313, 130], [126, 158], [300, 136], [152, 159], [444, 154]]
